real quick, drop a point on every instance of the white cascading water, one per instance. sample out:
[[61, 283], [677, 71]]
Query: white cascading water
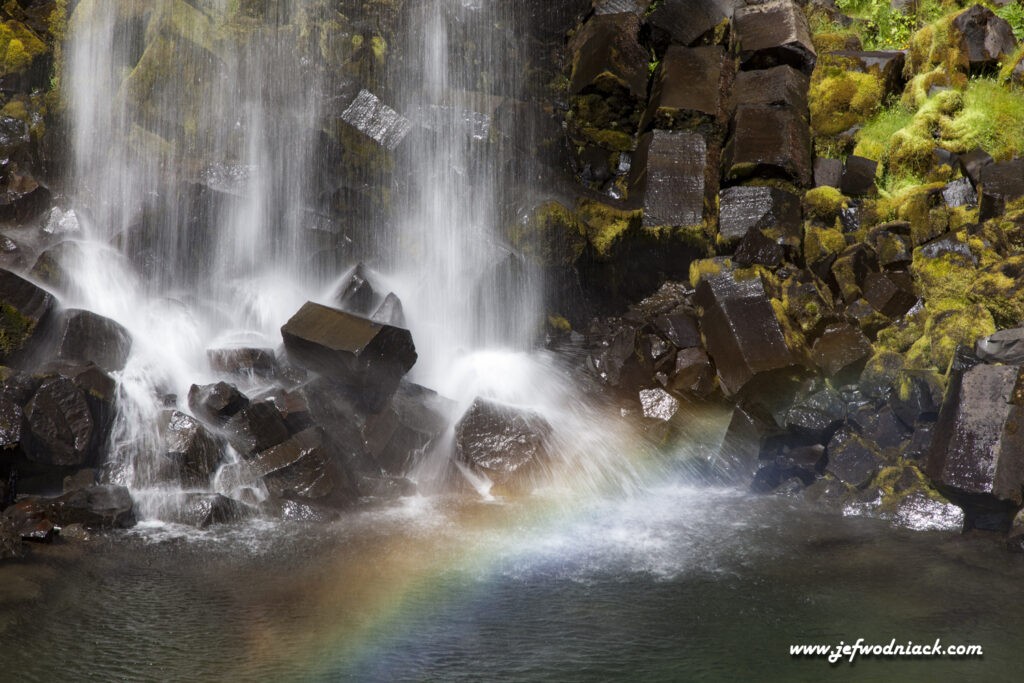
[[249, 110]]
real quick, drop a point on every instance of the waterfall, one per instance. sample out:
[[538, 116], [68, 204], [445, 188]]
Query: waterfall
[[210, 156]]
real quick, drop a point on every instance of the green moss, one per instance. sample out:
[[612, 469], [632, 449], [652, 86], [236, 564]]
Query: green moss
[[840, 98], [833, 41], [702, 269], [15, 329], [883, 368], [1006, 73], [1000, 289], [821, 242], [947, 276], [19, 47], [606, 225], [824, 204], [559, 323], [379, 46], [874, 138], [950, 325], [16, 109], [553, 236]]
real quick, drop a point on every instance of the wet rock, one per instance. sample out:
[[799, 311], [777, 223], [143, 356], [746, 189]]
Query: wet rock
[[1000, 183], [889, 294], [850, 460], [85, 336], [858, 176], [774, 33], [979, 441], [216, 403], [986, 40], [10, 540], [757, 248], [881, 427], [972, 163], [769, 141], [818, 416], [63, 429], [295, 511], [244, 362], [367, 358], [669, 173], [687, 88], [390, 312], [24, 312], [298, 468], [693, 373], [503, 443], [255, 428], [658, 404], [892, 249], [31, 520], [59, 223], [355, 294], [607, 57], [13, 429], [919, 512], [376, 120], [744, 208], [1005, 346], [679, 328], [841, 347], [741, 448], [203, 510], [921, 443], [828, 172], [685, 22], [744, 336], [414, 419], [851, 269], [82, 479], [100, 506], [959, 192], [193, 450], [780, 86], [51, 266], [919, 397]]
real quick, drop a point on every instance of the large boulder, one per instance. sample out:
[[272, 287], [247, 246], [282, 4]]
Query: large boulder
[[985, 39], [744, 335], [607, 57], [216, 403], [770, 141], [744, 208], [686, 22], [687, 89], [772, 33], [256, 428], [978, 448], [85, 336], [779, 86], [1000, 183], [100, 506], [504, 443], [367, 358], [413, 420], [203, 510], [24, 311], [297, 468], [63, 428]]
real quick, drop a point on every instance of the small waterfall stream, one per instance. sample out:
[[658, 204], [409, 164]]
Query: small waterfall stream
[[202, 139]]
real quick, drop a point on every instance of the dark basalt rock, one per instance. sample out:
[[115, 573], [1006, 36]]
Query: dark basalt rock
[[685, 22], [63, 429], [779, 86], [693, 373], [367, 358], [415, 418], [687, 88], [758, 248], [679, 328], [850, 460], [193, 450], [82, 479], [355, 294], [203, 510], [24, 311], [769, 141], [50, 267], [744, 208], [670, 174], [100, 506], [959, 192], [972, 162], [892, 249], [298, 468], [818, 416], [986, 39], [881, 427], [503, 443], [216, 403], [1005, 346], [828, 172], [919, 398], [888, 64], [85, 336], [245, 362], [255, 428], [744, 337], [607, 57], [30, 520], [773, 33], [1000, 182], [978, 452], [745, 438], [851, 269], [858, 176], [13, 429], [889, 293], [841, 347], [390, 312]]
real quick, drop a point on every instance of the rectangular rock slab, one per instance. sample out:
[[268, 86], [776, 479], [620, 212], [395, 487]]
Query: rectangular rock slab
[[779, 86], [748, 207], [607, 57], [366, 357], [744, 336], [687, 88], [1000, 182], [978, 448], [670, 175], [772, 141], [774, 33], [686, 21], [376, 120]]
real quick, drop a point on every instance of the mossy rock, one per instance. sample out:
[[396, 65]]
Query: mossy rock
[[606, 226], [841, 97], [552, 236], [822, 242], [949, 326], [19, 47], [824, 204], [1000, 289], [949, 275]]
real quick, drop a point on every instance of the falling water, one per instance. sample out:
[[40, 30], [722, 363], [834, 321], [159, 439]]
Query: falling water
[[202, 167]]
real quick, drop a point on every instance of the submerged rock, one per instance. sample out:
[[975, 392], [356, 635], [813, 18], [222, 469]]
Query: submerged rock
[[367, 358], [502, 442], [203, 510]]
